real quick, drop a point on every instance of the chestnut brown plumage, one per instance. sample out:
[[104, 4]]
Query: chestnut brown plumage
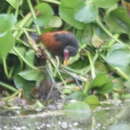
[[60, 43]]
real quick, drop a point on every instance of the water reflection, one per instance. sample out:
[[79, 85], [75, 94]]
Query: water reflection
[[114, 117]]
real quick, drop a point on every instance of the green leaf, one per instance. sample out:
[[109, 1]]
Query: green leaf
[[118, 56], [45, 9], [102, 83], [24, 84], [14, 3], [31, 75], [6, 44], [19, 82], [7, 21], [30, 56], [68, 9], [107, 88], [100, 80], [85, 35], [77, 110], [22, 51], [76, 95], [87, 14], [46, 14], [104, 3], [55, 22], [92, 99], [118, 19]]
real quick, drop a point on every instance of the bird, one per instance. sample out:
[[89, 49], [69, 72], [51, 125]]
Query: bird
[[60, 43]]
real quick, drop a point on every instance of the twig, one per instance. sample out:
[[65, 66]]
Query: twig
[[31, 42], [78, 77]]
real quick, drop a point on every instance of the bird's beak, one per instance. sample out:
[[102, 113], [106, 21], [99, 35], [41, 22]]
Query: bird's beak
[[66, 61], [66, 57]]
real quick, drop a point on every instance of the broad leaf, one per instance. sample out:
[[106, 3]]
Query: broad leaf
[[68, 9], [92, 99], [45, 14], [87, 14], [104, 3], [55, 22], [6, 44], [118, 56], [21, 83], [100, 80], [30, 56], [118, 20], [7, 22], [31, 75]]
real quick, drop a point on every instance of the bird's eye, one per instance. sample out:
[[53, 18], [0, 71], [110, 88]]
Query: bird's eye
[[72, 51]]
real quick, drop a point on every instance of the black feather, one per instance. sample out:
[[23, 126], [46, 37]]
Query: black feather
[[69, 41]]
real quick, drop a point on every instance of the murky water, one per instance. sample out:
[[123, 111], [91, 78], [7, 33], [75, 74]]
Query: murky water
[[115, 117]]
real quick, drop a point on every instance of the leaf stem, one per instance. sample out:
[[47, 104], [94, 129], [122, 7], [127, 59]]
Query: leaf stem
[[17, 8], [9, 87], [26, 21], [22, 57], [107, 31], [12, 96], [91, 64], [33, 14], [113, 41], [121, 73], [5, 68], [31, 42]]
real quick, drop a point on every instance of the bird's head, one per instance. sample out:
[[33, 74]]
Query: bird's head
[[69, 51]]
